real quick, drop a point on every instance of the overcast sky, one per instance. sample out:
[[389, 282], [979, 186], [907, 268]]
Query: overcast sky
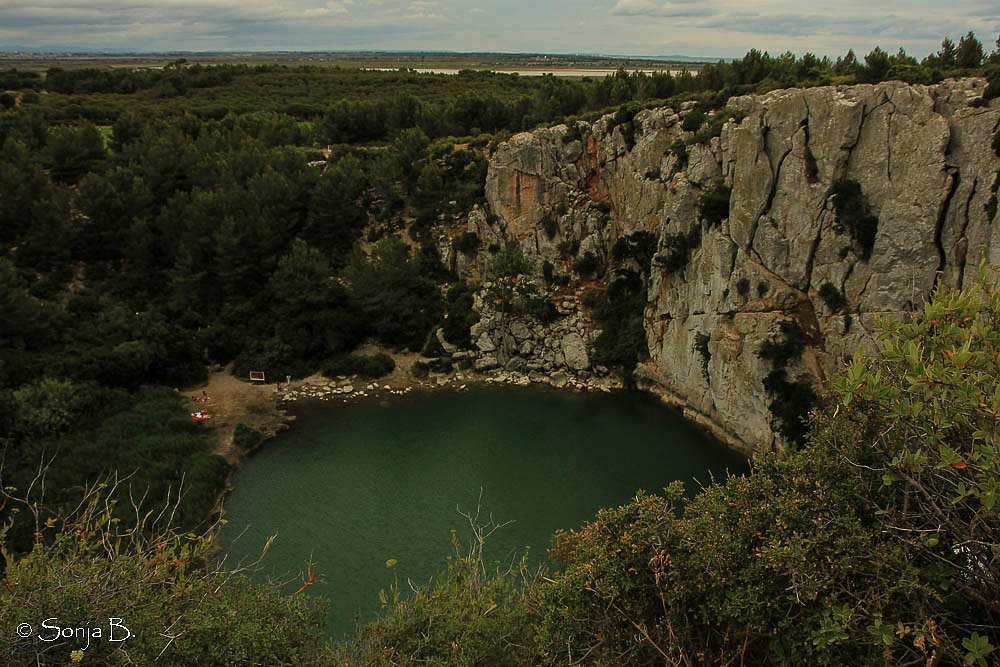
[[716, 28]]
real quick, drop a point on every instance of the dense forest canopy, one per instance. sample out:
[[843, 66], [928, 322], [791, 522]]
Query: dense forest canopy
[[156, 222]]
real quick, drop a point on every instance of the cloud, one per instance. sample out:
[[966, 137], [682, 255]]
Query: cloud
[[674, 9], [714, 28]]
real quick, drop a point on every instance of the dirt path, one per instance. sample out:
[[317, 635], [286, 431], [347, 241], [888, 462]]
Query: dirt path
[[232, 401]]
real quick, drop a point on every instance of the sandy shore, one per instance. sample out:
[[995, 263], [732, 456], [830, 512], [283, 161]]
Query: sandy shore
[[233, 400]]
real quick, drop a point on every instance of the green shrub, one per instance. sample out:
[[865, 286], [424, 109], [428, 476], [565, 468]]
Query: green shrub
[[624, 120], [790, 403], [550, 226], [541, 308], [678, 249], [832, 297], [246, 437], [701, 341], [622, 341], [713, 128], [743, 287], [586, 265], [693, 120], [461, 314], [679, 149], [568, 248], [854, 215], [433, 347], [762, 289], [179, 608], [473, 613], [639, 246], [787, 347], [367, 366], [843, 553], [548, 272], [713, 204], [573, 133], [467, 243]]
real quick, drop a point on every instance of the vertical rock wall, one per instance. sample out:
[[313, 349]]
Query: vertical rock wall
[[809, 169]]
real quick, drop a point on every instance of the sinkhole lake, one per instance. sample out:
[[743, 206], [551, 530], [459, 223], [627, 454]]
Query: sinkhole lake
[[353, 485]]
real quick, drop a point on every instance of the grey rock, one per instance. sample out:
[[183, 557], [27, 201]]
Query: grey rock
[[575, 352], [921, 155]]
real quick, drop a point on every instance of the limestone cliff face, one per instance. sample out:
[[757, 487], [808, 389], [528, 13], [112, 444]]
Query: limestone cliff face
[[919, 159]]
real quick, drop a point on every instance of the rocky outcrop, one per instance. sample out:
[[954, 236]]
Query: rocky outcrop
[[846, 203], [522, 343]]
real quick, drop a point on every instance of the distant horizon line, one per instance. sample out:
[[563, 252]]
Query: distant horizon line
[[69, 50]]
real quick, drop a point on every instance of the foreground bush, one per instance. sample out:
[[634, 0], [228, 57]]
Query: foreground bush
[[368, 366], [179, 608], [471, 615], [877, 543]]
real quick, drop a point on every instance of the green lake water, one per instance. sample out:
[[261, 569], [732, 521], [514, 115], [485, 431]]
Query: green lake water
[[353, 485]]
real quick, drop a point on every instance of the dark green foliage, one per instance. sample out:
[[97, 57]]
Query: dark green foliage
[[99, 433], [548, 272], [701, 340], [461, 315], [397, 300], [433, 347], [586, 264], [787, 347], [364, 365], [420, 370], [550, 226], [853, 213], [876, 67], [623, 334], [572, 134], [790, 403], [713, 128], [624, 121], [832, 297], [540, 308], [762, 288], [246, 437], [467, 243], [969, 53], [72, 151], [743, 287], [568, 248], [693, 120], [993, 90], [679, 149], [163, 586], [677, 250], [639, 246], [713, 203], [471, 614]]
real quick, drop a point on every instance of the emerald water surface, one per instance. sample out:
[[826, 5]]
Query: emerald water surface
[[351, 486]]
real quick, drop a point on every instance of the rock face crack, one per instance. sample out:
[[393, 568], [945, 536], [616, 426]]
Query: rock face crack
[[962, 244], [928, 174], [953, 182]]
